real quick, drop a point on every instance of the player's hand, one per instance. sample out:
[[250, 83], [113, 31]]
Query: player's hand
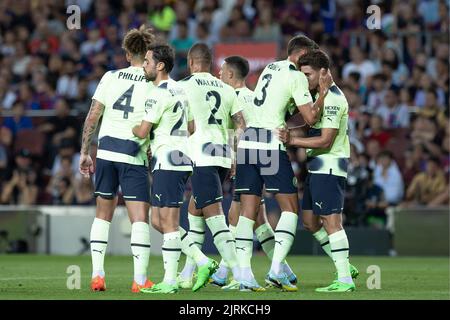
[[325, 80], [86, 166], [233, 170], [15, 178], [284, 135]]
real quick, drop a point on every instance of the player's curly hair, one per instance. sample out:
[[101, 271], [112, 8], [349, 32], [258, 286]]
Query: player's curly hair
[[137, 41], [316, 59]]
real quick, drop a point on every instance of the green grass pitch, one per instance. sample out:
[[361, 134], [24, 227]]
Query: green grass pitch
[[44, 277]]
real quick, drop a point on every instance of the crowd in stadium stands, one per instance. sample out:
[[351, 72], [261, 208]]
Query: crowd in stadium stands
[[396, 80]]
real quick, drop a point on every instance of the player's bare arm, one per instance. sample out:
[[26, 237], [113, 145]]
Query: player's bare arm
[[239, 124], [311, 111], [324, 141], [90, 127], [142, 130], [191, 127]]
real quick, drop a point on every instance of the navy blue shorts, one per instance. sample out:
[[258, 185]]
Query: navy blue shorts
[[324, 193], [207, 185], [168, 188], [258, 168], [237, 196], [133, 180]]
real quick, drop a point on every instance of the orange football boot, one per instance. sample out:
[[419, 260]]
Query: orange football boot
[[98, 284], [137, 288]]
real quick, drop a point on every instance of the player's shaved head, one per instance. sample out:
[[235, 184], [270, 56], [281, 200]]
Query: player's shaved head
[[239, 65], [316, 59], [137, 41], [301, 42], [200, 54]]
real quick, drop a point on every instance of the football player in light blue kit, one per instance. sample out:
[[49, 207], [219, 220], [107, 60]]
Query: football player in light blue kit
[[121, 158], [214, 106], [168, 118], [328, 150], [262, 160], [233, 72]]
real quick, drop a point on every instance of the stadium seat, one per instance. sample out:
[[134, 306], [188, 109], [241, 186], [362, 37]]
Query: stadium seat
[[30, 139], [398, 144]]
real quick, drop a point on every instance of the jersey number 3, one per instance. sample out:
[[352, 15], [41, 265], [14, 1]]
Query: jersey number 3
[[257, 101], [125, 107]]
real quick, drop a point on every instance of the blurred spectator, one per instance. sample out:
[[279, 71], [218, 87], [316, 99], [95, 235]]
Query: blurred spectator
[[203, 35], [425, 133], [374, 204], [373, 149], [181, 43], [267, 29], [399, 70], [414, 162], [394, 115], [376, 96], [387, 175], [6, 140], [21, 189], [441, 199], [21, 60], [407, 98], [67, 84], [161, 15], [426, 185], [431, 107], [83, 101], [184, 16], [84, 190], [8, 48], [357, 178], [66, 150], [354, 82], [377, 132], [62, 126], [359, 64], [18, 121], [61, 186], [27, 97], [293, 17], [93, 44], [41, 62]]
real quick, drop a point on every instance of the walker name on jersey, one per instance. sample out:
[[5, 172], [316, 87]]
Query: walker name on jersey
[[213, 83], [131, 76]]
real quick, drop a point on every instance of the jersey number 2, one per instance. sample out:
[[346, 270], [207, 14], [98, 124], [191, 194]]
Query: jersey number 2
[[119, 105], [212, 117], [257, 101], [175, 130]]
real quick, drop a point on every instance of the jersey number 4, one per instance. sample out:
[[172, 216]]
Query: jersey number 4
[[259, 102], [125, 107]]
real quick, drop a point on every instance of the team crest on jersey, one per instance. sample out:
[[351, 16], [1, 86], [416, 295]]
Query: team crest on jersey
[[294, 182]]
